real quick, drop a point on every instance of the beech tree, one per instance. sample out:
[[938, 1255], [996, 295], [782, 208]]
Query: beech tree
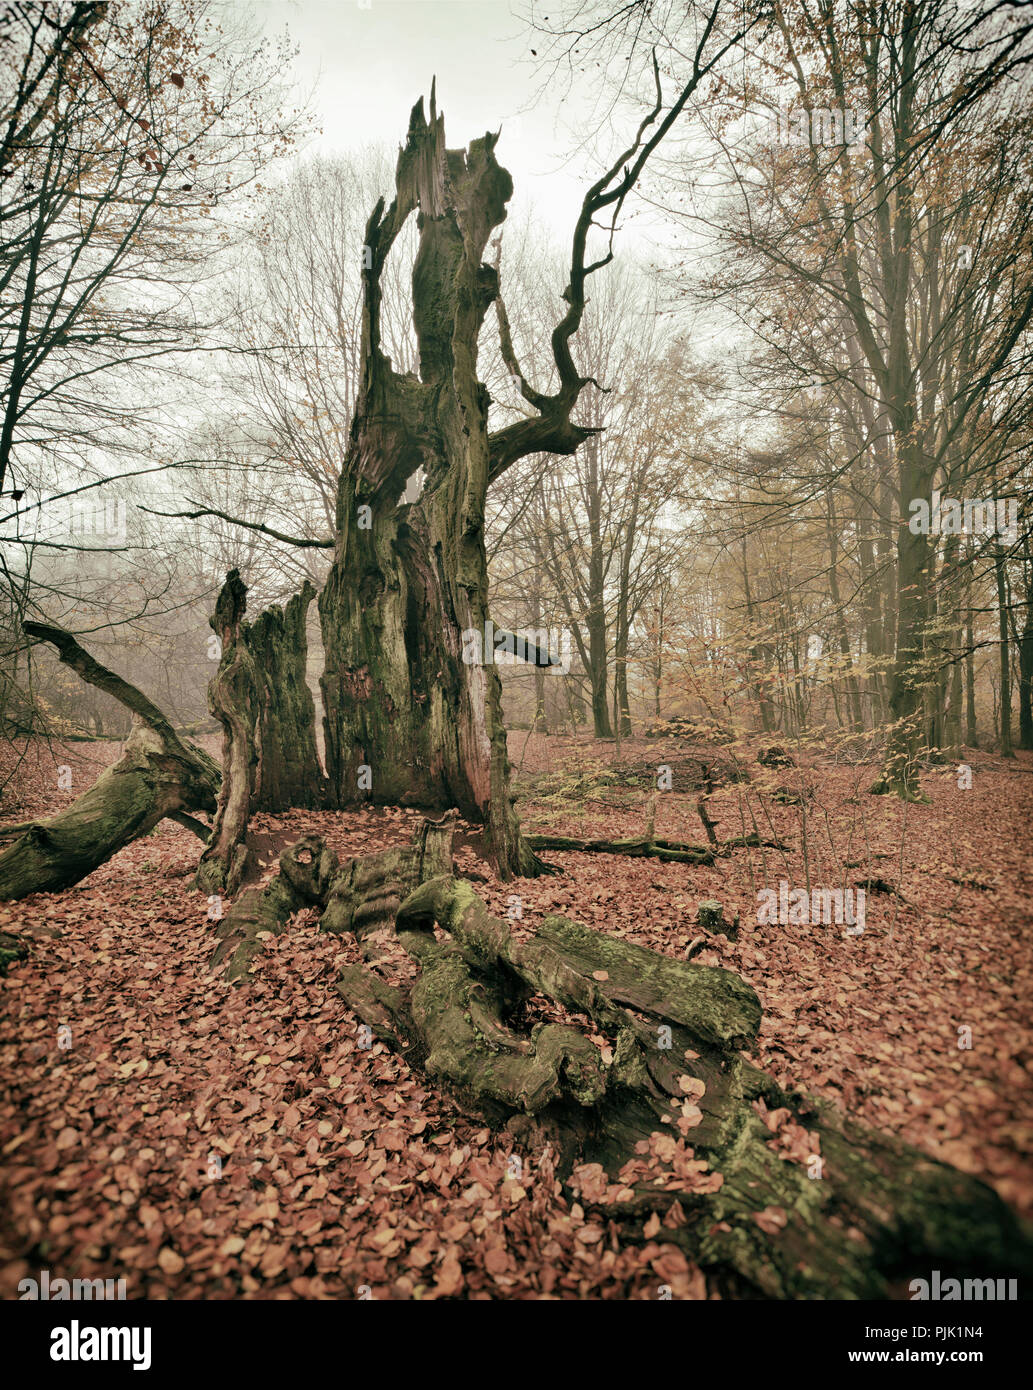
[[408, 581], [894, 271], [124, 126], [406, 718]]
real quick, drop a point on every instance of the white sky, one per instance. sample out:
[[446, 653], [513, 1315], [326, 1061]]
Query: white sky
[[366, 67]]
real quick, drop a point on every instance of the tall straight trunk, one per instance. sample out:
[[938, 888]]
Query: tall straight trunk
[[908, 675], [658, 659], [595, 620], [1025, 646], [950, 681], [760, 653], [596, 625], [971, 731], [952, 724], [1026, 683], [870, 592], [935, 693], [540, 721], [853, 694], [621, 704], [1004, 654]]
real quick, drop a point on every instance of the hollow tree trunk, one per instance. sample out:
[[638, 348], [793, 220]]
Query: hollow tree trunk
[[288, 772], [158, 776], [412, 709], [413, 705], [656, 1118], [259, 696]]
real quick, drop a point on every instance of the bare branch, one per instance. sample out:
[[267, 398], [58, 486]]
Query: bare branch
[[248, 525]]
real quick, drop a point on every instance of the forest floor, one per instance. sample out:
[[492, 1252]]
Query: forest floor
[[201, 1140]]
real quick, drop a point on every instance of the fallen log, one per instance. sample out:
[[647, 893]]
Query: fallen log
[[648, 847], [361, 896], [158, 775], [845, 1218], [629, 1064]]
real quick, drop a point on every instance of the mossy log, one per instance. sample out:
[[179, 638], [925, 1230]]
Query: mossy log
[[304, 878], [158, 775], [657, 1118], [360, 896], [845, 1217]]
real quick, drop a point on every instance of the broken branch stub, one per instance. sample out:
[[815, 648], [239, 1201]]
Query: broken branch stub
[[260, 697]]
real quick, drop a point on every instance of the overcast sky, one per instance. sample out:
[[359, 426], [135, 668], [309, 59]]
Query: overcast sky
[[365, 68]]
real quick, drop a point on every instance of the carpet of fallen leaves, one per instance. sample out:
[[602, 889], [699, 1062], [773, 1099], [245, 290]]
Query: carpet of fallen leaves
[[206, 1141]]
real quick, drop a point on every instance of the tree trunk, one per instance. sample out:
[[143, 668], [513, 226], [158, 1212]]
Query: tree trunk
[[412, 698], [158, 776], [971, 731], [908, 674], [1025, 645], [853, 693], [1004, 660], [260, 697]]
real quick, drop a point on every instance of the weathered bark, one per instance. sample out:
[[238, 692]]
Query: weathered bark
[[158, 775], [878, 1211], [848, 1215], [407, 718], [359, 896], [259, 696], [306, 872], [411, 713]]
